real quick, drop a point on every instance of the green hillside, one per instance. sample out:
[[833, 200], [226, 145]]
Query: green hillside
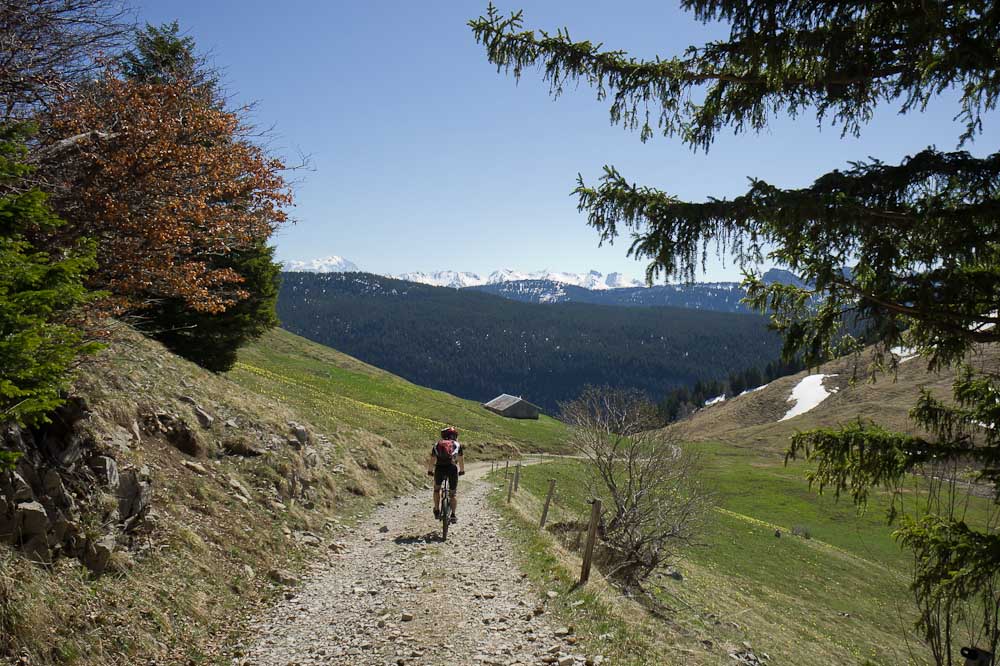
[[754, 419], [802, 577], [831, 589], [189, 585], [333, 388]]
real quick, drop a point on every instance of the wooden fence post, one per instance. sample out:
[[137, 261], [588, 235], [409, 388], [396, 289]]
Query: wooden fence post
[[506, 469], [548, 499], [510, 489], [517, 476], [588, 551]]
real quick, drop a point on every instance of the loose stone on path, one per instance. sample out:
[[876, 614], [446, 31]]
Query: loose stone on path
[[394, 594]]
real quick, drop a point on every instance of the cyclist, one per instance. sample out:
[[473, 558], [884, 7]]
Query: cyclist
[[447, 461]]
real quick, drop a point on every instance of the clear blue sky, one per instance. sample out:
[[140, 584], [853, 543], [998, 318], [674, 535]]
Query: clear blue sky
[[423, 157]]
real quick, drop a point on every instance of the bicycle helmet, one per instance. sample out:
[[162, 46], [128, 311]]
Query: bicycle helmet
[[449, 433]]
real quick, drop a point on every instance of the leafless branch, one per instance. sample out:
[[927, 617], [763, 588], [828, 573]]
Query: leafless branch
[[653, 496], [45, 45]]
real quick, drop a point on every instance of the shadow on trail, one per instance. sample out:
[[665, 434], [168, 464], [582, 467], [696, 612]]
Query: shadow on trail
[[409, 540]]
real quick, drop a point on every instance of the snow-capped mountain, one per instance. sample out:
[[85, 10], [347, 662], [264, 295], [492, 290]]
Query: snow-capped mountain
[[620, 281], [592, 280], [615, 289], [331, 264], [453, 279], [589, 280], [507, 275]]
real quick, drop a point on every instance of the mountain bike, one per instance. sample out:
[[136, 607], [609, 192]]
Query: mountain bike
[[445, 509]]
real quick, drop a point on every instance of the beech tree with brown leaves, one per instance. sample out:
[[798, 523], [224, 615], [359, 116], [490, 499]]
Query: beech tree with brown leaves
[[176, 191], [165, 183]]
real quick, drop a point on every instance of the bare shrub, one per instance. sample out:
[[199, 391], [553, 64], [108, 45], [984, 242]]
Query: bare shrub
[[45, 45], [649, 485], [802, 531]]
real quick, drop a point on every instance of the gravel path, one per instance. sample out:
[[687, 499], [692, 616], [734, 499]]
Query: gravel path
[[398, 595]]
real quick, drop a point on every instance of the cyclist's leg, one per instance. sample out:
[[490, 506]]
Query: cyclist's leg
[[439, 475], [453, 484]]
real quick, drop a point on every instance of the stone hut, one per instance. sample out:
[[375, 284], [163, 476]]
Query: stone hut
[[513, 407]]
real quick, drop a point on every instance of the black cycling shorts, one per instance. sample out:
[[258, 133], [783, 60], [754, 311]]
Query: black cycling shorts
[[450, 472]]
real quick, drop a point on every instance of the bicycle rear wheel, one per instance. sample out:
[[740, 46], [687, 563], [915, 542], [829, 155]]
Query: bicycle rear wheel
[[445, 510]]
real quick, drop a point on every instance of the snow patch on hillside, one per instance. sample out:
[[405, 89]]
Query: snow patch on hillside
[[903, 354], [716, 400], [554, 296], [807, 395]]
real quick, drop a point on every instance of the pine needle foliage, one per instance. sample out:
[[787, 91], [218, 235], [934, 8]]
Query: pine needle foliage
[[213, 340], [839, 58], [161, 55], [39, 288], [922, 236]]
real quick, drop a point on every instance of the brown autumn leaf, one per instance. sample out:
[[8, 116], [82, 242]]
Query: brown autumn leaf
[[164, 180]]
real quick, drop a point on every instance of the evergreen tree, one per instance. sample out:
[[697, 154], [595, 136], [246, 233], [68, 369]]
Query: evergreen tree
[[39, 287], [924, 234], [160, 55], [212, 340], [736, 384], [752, 378]]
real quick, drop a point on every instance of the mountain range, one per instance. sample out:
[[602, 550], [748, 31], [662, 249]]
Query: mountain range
[[593, 280], [461, 279], [717, 296], [591, 287]]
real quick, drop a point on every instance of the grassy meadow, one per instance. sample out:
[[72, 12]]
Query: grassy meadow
[[333, 388], [833, 592]]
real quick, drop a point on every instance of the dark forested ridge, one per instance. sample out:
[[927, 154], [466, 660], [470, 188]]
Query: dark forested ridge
[[717, 296], [477, 345]]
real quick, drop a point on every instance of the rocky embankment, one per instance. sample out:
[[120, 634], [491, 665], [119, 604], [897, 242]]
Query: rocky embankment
[[68, 495], [77, 492]]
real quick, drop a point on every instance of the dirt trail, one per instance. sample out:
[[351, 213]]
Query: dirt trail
[[398, 595]]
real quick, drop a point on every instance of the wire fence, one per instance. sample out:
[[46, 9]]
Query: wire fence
[[512, 481]]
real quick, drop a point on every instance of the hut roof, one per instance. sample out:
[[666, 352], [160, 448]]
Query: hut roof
[[503, 401], [506, 401]]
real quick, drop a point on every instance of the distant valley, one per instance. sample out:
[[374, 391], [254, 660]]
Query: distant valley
[[477, 345]]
